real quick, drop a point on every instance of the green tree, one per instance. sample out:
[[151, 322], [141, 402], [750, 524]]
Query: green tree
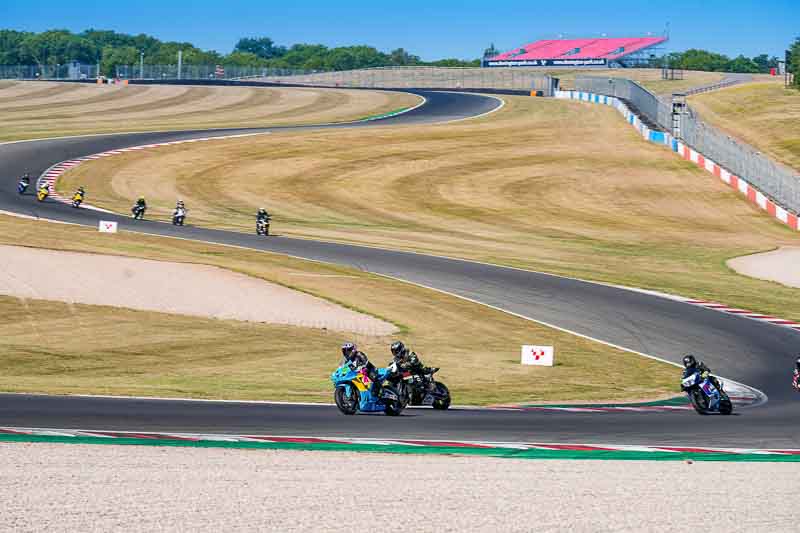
[[401, 57], [262, 47], [10, 42], [122, 56], [794, 61], [57, 47], [742, 64]]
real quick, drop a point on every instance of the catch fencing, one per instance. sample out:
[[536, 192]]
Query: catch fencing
[[656, 111], [780, 183], [47, 72]]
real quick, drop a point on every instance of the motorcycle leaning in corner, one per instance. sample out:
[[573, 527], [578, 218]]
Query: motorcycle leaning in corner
[[354, 391], [706, 393]]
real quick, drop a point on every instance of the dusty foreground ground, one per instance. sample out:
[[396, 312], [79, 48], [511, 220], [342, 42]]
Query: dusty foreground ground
[[782, 265], [102, 488], [176, 288]]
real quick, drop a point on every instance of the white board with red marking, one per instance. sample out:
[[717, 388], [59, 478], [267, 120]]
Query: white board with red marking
[[538, 355]]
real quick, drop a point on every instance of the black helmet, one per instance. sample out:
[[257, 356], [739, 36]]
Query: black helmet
[[798, 360], [398, 349], [349, 350], [689, 361]]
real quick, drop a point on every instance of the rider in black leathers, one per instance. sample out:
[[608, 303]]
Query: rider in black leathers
[[358, 359], [409, 361]]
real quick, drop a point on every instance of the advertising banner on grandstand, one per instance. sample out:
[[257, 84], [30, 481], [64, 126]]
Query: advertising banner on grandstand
[[538, 355], [547, 63]]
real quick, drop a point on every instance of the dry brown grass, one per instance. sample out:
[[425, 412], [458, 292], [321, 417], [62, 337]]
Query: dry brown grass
[[765, 115], [556, 186], [59, 348], [46, 109]]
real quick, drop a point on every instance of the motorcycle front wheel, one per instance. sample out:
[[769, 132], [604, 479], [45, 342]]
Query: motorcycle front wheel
[[699, 402], [346, 404], [725, 405], [443, 402], [393, 408]]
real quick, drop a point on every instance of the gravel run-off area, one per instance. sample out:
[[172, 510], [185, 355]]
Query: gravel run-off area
[[781, 265], [177, 288], [71, 487]]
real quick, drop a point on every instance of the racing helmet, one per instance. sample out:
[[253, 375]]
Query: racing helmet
[[349, 350], [689, 361], [398, 349], [798, 361]]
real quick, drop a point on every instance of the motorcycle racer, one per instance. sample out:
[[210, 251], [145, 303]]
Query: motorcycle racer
[[692, 365], [358, 359], [408, 361]]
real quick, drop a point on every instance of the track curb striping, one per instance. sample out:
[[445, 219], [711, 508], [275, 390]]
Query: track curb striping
[[513, 450]]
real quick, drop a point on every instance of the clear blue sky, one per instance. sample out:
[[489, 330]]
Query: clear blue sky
[[432, 29]]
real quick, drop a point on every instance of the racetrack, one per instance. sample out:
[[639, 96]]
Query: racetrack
[[744, 350]]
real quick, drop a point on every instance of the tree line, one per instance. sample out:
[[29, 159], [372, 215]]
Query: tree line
[[111, 49], [694, 59]]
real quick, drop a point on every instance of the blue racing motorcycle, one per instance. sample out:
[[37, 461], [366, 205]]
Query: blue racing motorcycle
[[353, 391], [706, 394]]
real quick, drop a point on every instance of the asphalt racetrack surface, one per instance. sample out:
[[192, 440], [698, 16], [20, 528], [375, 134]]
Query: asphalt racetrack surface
[[754, 353]]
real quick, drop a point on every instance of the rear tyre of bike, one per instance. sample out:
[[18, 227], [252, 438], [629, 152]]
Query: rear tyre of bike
[[698, 402], [347, 405], [444, 402]]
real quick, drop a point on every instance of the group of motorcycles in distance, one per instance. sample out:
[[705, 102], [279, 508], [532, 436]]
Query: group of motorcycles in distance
[[44, 191], [139, 208], [178, 214]]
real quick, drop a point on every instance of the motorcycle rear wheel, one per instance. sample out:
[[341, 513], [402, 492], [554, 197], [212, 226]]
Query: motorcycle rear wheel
[[348, 406]]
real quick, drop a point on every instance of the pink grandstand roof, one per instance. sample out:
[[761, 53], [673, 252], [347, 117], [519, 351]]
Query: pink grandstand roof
[[580, 48]]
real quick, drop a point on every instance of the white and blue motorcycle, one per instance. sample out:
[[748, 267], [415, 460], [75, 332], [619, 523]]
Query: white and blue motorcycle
[[706, 394]]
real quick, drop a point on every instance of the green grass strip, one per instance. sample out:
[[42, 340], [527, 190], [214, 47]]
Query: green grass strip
[[386, 115], [416, 450]]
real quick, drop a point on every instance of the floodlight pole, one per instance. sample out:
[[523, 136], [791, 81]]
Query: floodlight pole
[[180, 62], [141, 64]]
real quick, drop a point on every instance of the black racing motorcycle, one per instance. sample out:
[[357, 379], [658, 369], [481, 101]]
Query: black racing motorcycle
[[423, 389]]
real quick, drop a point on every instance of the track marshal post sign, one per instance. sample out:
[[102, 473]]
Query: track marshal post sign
[[107, 227], [538, 355]]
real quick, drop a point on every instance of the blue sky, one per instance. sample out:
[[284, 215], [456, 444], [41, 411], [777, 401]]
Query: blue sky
[[428, 28]]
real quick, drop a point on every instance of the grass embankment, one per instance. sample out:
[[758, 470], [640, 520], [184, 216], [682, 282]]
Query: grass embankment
[[556, 186], [764, 115], [48, 109], [62, 348]]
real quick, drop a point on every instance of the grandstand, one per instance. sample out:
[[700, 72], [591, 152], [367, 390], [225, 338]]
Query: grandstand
[[593, 52]]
